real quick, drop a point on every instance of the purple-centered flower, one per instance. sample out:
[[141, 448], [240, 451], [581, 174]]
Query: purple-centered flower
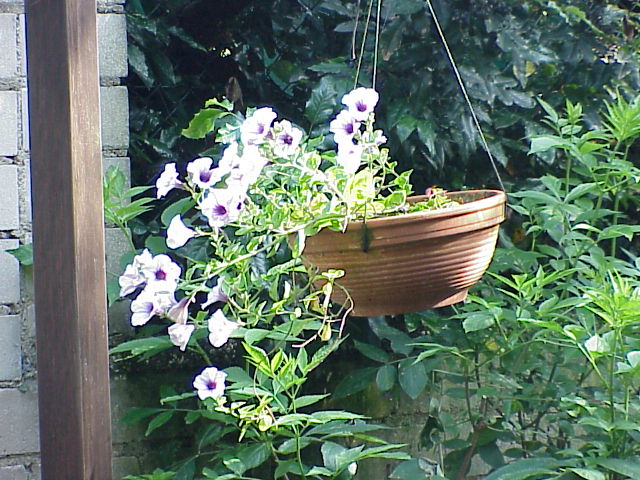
[[349, 157], [179, 334], [361, 102], [201, 174], [287, 139], [216, 294], [220, 329], [222, 206], [178, 233], [210, 383], [344, 127], [230, 157], [168, 180], [247, 170], [148, 304], [132, 277], [162, 274], [256, 127], [179, 313]]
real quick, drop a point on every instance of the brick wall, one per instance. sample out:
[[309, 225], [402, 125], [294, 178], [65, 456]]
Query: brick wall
[[18, 396]]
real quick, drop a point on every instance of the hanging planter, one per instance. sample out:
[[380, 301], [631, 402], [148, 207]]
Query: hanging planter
[[412, 262]]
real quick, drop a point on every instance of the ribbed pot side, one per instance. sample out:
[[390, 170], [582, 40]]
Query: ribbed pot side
[[412, 262]]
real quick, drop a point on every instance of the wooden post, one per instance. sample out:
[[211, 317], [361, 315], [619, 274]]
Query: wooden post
[[68, 233]]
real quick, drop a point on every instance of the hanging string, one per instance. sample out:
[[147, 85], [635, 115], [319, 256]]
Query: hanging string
[[355, 32], [464, 91], [375, 48], [364, 40]]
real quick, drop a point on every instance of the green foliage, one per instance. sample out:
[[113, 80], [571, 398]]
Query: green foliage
[[23, 253], [510, 53], [544, 357]]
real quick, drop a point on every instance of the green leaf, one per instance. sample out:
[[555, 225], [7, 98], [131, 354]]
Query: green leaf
[[477, 321], [412, 377], [371, 351], [158, 421], [588, 473], [628, 468], [24, 254], [526, 468], [321, 103], [307, 400], [202, 123], [410, 470], [386, 377], [136, 414]]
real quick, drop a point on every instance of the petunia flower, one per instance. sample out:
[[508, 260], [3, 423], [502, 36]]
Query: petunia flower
[[178, 233], [287, 139], [168, 180], [216, 294], [349, 157], [201, 174], [256, 127], [222, 206], [361, 102], [180, 334], [162, 274], [344, 127], [220, 329], [210, 383], [132, 277], [247, 170], [149, 304], [179, 313]]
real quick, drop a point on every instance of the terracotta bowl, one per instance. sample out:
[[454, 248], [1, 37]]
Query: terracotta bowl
[[412, 262]]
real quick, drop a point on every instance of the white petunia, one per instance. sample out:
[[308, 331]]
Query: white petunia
[[222, 206], [344, 127], [256, 127], [201, 174], [287, 139], [162, 274], [179, 334], [361, 102], [210, 383], [168, 180], [349, 157], [220, 329], [178, 233], [216, 294], [149, 304]]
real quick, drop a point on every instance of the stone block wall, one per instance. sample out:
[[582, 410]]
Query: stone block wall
[[19, 442]]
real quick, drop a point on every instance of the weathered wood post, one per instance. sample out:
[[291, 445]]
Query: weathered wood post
[[68, 232]]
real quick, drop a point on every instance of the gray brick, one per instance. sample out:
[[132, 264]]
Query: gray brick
[[25, 145], [10, 352], [9, 219], [114, 110], [13, 472], [19, 413], [24, 192], [10, 275], [112, 45], [123, 466], [8, 123], [22, 45], [9, 43]]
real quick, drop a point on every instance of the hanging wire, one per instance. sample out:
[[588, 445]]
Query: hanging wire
[[355, 32], [464, 91], [377, 43], [364, 40]]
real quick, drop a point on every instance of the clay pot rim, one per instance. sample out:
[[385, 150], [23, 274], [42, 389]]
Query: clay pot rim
[[492, 199]]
